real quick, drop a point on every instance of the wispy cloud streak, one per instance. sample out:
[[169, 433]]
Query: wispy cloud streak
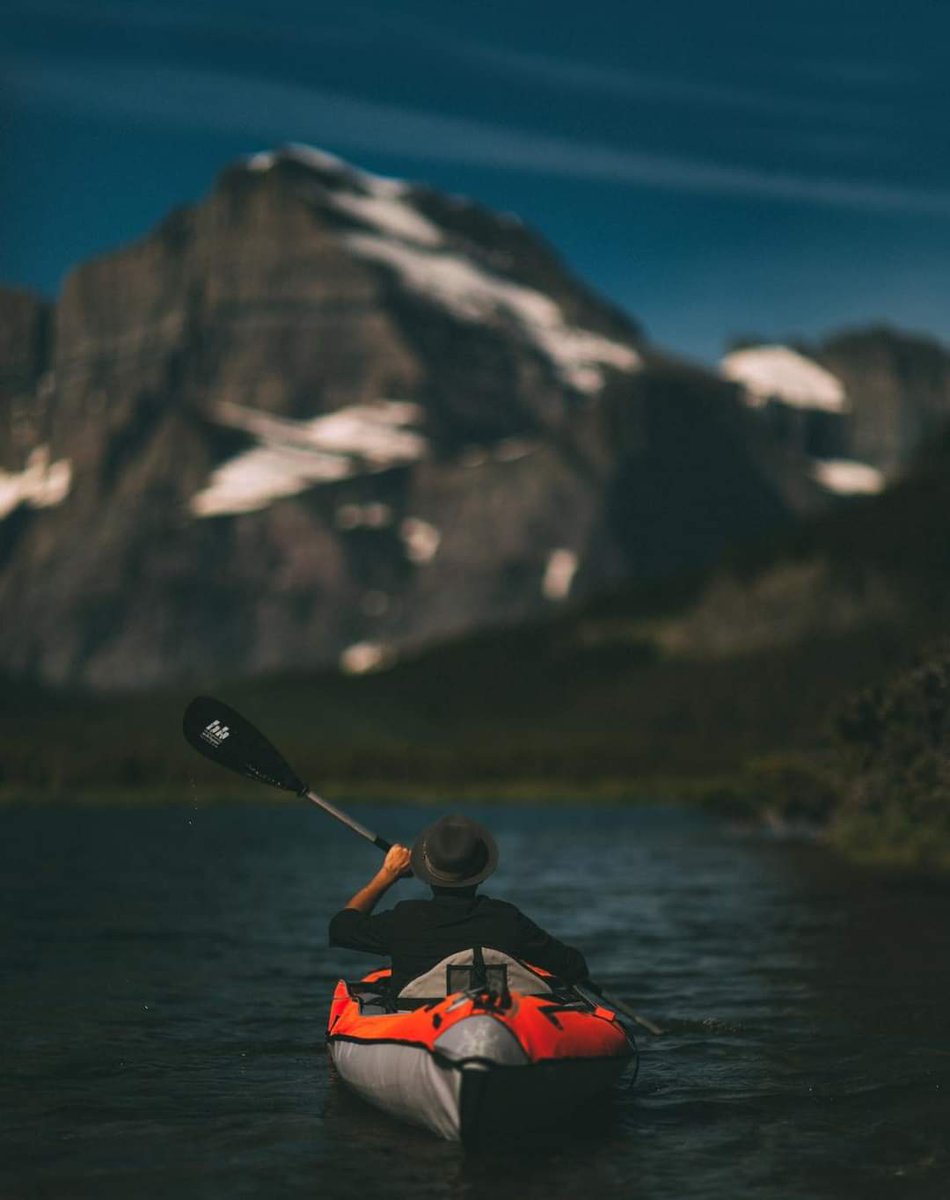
[[557, 72], [647, 85], [267, 110], [861, 74]]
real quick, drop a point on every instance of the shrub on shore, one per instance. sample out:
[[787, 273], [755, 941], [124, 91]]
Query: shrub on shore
[[895, 753]]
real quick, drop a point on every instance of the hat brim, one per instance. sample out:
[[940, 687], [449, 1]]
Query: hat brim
[[420, 868]]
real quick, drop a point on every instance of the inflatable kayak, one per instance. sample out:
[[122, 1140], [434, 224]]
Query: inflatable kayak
[[511, 1049]]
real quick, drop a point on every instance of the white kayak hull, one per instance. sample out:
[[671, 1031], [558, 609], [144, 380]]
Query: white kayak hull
[[476, 1081]]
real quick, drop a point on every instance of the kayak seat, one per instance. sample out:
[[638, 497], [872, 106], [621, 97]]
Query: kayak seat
[[480, 967], [373, 997]]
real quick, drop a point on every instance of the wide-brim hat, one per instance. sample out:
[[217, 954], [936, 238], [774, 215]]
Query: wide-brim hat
[[454, 852]]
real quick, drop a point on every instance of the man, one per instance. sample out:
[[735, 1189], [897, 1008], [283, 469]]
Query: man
[[453, 856]]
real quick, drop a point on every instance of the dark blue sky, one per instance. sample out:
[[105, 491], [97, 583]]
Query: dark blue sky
[[719, 170]]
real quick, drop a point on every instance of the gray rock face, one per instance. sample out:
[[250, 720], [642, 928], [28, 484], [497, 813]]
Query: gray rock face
[[898, 386], [24, 334], [324, 415], [871, 396]]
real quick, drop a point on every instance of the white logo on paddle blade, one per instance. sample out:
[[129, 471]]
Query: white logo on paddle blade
[[215, 733]]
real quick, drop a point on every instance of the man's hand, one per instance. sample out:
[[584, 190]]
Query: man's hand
[[395, 867], [396, 863]]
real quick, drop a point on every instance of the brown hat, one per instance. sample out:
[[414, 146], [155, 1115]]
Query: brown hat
[[454, 852]]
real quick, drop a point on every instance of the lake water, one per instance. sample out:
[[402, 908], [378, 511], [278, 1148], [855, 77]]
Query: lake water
[[166, 981]]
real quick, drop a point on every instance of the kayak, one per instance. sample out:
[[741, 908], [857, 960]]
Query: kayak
[[478, 1061]]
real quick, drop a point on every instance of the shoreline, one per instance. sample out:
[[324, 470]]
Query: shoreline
[[720, 797], [528, 792]]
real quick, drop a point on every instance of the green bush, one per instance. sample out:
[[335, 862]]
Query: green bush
[[895, 748]]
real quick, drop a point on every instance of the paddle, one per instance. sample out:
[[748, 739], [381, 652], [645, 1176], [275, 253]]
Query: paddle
[[230, 740], [620, 1005]]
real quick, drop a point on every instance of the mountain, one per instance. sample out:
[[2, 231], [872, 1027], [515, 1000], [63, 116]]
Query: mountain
[[744, 664], [24, 333], [739, 667], [898, 385], [861, 403], [323, 417]]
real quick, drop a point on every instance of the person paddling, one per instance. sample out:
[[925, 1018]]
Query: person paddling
[[453, 856]]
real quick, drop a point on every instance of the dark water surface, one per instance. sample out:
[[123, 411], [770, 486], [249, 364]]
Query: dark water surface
[[166, 981]]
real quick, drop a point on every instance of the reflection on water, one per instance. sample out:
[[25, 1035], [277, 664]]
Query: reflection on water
[[166, 983]]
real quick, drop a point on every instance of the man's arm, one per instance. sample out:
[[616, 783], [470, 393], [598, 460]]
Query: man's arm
[[353, 926], [540, 949], [395, 866]]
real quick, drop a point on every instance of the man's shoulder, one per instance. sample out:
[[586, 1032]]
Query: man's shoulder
[[428, 906], [499, 907], [411, 908]]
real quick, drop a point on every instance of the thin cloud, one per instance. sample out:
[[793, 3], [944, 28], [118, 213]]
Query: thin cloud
[[359, 18], [639, 84], [858, 73], [278, 112]]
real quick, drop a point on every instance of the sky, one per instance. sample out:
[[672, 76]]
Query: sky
[[720, 171]]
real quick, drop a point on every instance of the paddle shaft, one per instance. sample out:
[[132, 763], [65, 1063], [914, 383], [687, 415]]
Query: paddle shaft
[[622, 1007], [345, 819]]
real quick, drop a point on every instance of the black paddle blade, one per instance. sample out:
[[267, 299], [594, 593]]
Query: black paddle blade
[[227, 738]]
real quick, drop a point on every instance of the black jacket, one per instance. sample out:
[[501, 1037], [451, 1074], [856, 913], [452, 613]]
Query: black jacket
[[417, 934]]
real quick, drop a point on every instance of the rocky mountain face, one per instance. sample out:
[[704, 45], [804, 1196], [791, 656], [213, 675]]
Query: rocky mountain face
[[877, 569], [898, 387], [321, 417], [24, 331], [860, 404]]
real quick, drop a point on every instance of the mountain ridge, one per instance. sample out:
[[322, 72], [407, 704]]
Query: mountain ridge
[[444, 429]]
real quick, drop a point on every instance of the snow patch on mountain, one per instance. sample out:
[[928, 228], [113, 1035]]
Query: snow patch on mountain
[[256, 479], [296, 455], [41, 484], [364, 657], [325, 164], [474, 295], [559, 574], [373, 200], [263, 161], [847, 477], [390, 214], [420, 539], [779, 373]]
